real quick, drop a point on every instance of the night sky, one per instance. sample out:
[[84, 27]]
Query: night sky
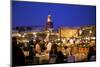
[[35, 13]]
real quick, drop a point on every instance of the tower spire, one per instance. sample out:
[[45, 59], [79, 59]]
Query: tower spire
[[49, 18], [49, 24]]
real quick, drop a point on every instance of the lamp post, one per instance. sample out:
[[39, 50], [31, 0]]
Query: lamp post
[[80, 32], [60, 35], [90, 32]]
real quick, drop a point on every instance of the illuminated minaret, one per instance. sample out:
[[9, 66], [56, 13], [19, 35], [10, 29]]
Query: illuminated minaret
[[49, 24]]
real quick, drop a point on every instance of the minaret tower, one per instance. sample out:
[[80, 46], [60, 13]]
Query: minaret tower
[[49, 24]]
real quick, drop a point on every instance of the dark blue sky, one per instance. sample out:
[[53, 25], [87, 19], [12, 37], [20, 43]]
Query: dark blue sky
[[35, 13]]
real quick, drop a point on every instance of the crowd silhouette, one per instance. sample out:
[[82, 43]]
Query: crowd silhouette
[[38, 48]]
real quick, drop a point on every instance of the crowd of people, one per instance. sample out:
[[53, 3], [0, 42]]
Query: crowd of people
[[50, 50]]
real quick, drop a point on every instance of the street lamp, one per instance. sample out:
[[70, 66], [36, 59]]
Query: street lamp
[[80, 32], [18, 34], [34, 34], [90, 31]]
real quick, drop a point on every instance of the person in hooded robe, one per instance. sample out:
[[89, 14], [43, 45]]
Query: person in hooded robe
[[18, 58]]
